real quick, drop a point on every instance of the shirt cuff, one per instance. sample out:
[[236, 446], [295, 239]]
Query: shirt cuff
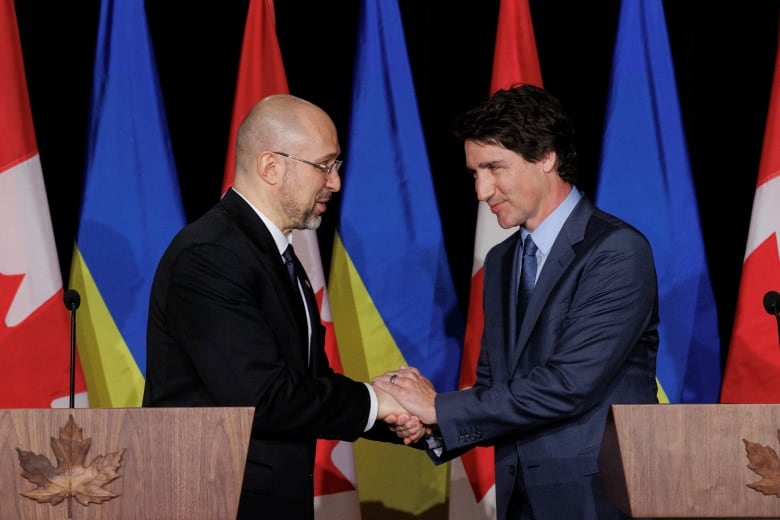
[[374, 407], [435, 443]]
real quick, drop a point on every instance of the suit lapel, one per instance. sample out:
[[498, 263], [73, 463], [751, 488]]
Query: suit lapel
[[268, 256], [558, 260], [509, 294]]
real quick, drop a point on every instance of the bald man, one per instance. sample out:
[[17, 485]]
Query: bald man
[[230, 326]]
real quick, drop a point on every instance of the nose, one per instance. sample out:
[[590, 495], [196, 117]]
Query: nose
[[483, 187], [333, 181]]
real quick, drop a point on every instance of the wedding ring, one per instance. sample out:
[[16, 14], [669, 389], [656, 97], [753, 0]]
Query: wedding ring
[[393, 378]]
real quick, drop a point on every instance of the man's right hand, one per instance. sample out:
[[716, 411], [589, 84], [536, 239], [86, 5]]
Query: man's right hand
[[406, 426]]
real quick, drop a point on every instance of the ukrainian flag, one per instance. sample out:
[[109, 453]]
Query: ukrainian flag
[[645, 179], [390, 287], [131, 207]]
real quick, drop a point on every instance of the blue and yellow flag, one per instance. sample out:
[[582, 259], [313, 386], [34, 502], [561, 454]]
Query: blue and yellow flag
[[390, 287], [645, 178], [130, 209]]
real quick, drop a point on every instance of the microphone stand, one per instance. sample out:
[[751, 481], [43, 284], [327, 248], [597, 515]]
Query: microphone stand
[[72, 302], [72, 357], [772, 306]]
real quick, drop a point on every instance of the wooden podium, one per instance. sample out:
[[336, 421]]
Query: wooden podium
[[173, 463], [691, 461]]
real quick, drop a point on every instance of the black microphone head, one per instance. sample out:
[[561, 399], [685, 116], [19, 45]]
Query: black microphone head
[[72, 299], [772, 302]]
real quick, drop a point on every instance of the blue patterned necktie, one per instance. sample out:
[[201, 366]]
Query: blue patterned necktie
[[527, 278]]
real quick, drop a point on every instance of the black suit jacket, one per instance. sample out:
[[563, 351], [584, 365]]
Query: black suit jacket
[[588, 339], [227, 329]]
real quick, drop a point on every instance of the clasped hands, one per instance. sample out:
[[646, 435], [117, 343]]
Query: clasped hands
[[406, 403]]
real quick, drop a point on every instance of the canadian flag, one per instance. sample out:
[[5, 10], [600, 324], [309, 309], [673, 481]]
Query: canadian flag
[[260, 74], [335, 481], [753, 366], [34, 331], [473, 479]]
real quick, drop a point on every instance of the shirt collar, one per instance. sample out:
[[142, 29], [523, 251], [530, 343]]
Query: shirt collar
[[547, 231]]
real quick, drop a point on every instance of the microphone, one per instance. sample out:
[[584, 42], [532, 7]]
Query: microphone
[[772, 306], [772, 302], [72, 301]]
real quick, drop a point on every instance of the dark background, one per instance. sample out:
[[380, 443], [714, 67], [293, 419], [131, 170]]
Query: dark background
[[723, 53]]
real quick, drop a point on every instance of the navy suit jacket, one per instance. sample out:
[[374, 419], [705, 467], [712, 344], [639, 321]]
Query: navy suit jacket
[[227, 329], [588, 339]]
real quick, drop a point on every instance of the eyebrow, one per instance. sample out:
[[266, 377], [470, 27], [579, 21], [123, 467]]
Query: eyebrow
[[488, 164], [330, 157]]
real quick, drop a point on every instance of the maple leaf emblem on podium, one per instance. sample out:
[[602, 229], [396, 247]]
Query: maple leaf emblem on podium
[[70, 478], [764, 462]]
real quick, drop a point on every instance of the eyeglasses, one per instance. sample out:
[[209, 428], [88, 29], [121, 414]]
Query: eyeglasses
[[327, 169]]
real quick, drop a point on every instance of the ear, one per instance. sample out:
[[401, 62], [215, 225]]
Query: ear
[[548, 161], [269, 167]]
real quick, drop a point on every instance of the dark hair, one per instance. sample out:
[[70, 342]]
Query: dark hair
[[527, 120]]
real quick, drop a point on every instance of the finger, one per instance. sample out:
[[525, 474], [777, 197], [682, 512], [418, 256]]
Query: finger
[[384, 376], [391, 419], [386, 386], [409, 370], [410, 440]]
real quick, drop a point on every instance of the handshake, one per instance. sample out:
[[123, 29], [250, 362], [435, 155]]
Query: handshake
[[406, 401]]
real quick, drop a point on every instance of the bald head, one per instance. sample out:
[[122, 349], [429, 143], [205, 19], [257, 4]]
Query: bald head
[[278, 123], [282, 148]]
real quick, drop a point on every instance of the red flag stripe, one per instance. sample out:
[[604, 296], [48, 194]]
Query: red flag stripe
[[260, 73], [17, 138], [515, 60]]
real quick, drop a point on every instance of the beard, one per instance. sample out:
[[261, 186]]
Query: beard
[[302, 218], [311, 221]]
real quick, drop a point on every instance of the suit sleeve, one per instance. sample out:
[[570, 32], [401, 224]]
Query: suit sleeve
[[589, 331], [230, 316]]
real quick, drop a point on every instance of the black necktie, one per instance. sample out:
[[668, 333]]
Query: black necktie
[[308, 301], [527, 278], [289, 263]]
